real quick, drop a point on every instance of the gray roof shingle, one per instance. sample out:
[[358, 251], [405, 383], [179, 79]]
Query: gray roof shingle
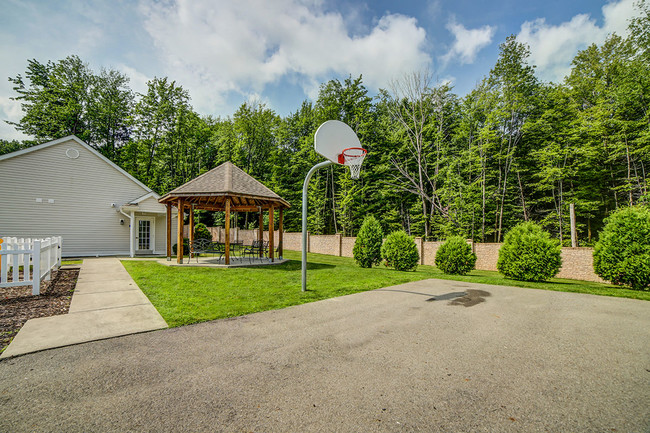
[[226, 179]]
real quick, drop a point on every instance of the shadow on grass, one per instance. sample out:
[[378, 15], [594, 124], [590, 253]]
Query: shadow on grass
[[296, 265]]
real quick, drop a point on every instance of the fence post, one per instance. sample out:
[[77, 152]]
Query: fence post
[[36, 271], [3, 265], [419, 242], [48, 245], [59, 251]]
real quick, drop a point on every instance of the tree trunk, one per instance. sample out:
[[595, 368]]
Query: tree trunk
[[572, 216], [523, 201]]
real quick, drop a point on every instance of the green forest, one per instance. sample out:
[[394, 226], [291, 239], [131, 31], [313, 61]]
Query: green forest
[[513, 149]]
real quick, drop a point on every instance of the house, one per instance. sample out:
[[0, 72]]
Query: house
[[66, 188]]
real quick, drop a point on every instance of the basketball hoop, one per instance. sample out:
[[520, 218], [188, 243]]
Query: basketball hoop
[[353, 157]]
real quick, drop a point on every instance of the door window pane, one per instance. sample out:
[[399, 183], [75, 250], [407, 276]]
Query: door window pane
[[144, 233]]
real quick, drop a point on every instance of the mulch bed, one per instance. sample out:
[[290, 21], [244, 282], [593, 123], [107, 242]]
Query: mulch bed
[[17, 304]]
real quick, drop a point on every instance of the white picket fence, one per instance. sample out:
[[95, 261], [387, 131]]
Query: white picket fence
[[42, 255]]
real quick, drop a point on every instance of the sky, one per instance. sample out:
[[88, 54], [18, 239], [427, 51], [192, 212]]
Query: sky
[[278, 52]]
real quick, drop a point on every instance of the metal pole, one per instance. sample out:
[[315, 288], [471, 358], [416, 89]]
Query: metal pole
[[304, 219]]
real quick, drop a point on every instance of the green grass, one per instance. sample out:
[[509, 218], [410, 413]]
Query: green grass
[[71, 262], [195, 294]]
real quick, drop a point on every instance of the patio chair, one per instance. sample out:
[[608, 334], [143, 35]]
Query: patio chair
[[206, 246], [198, 247], [253, 250], [217, 248]]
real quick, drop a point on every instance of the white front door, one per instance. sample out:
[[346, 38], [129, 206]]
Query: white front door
[[144, 235]]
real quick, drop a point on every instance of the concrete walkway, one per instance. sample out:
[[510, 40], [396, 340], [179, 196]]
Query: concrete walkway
[[106, 303]]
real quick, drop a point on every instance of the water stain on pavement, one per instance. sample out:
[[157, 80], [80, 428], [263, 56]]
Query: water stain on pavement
[[472, 298]]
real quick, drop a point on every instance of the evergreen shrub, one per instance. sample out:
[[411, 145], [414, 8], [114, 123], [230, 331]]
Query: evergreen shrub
[[400, 252], [202, 232], [529, 254], [622, 253], [367, 247], [186, 246], [455, 256]]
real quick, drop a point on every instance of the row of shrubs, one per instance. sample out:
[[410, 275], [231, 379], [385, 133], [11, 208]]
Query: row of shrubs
[[621, 255], [398, 250]]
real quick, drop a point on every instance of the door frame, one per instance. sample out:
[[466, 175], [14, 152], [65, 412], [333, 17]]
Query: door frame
[[152, 234]]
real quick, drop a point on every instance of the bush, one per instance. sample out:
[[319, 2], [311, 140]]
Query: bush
[[400, 252], [186, 246], [528, 253], [455, 256], [367, 247], [202, 232], [622, 253]]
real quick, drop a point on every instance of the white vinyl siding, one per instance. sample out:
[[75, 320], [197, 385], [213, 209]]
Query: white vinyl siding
[[161, 234], [83, 191], [151, 205]]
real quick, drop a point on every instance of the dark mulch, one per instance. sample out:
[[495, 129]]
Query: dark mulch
[[17, 304]]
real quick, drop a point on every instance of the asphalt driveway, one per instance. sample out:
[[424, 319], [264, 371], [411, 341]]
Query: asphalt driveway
[[416, 357]]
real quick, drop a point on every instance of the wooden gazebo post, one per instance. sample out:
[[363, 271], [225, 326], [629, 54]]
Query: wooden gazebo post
[[280, 230], [169, 231], [271, 234], [260, 232], [191, 233], [179, 245], [227, 230]]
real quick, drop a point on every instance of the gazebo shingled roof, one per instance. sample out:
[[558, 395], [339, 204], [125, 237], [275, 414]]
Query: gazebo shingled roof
[[210, 190], [224, 188]]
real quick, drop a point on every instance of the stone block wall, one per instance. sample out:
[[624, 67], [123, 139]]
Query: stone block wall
[[486, 256], [323, 244], [292, 241], [577, 263], [428, 254], [347, 244]]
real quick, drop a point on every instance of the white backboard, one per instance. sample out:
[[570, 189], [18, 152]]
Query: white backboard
[[332, 137]]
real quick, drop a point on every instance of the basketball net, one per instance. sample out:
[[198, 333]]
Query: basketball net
[[353, 157]]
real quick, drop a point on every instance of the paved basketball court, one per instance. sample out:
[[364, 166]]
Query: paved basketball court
[[415, 357]]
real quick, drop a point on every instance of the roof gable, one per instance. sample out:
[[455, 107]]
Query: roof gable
[[227, 178], [83, 144]]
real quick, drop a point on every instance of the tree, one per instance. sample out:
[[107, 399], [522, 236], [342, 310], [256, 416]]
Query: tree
[[65, 98], [400, 252], [54, 98], [528, 253], [109, 112], [513, 80], [367, 246], [455, 256], [622, 254], [254, 126], [419, 113], [160, 132]]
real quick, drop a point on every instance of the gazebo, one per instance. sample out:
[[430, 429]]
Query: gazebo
[[224, 188]]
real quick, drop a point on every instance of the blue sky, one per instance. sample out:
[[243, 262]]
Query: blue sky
[[278, 51]]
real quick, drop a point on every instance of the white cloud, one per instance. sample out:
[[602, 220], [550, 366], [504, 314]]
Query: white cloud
[[553, 47], [468, 42], [10, 110], [216, 47], [137, 80]]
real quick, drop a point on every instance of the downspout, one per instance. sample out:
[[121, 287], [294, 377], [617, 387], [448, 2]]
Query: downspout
[[131, 234]]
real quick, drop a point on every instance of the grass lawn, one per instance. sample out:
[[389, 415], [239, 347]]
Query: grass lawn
[[71, 262], [190, 295]]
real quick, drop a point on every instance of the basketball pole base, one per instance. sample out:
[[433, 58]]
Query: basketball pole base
[[304, 219]]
